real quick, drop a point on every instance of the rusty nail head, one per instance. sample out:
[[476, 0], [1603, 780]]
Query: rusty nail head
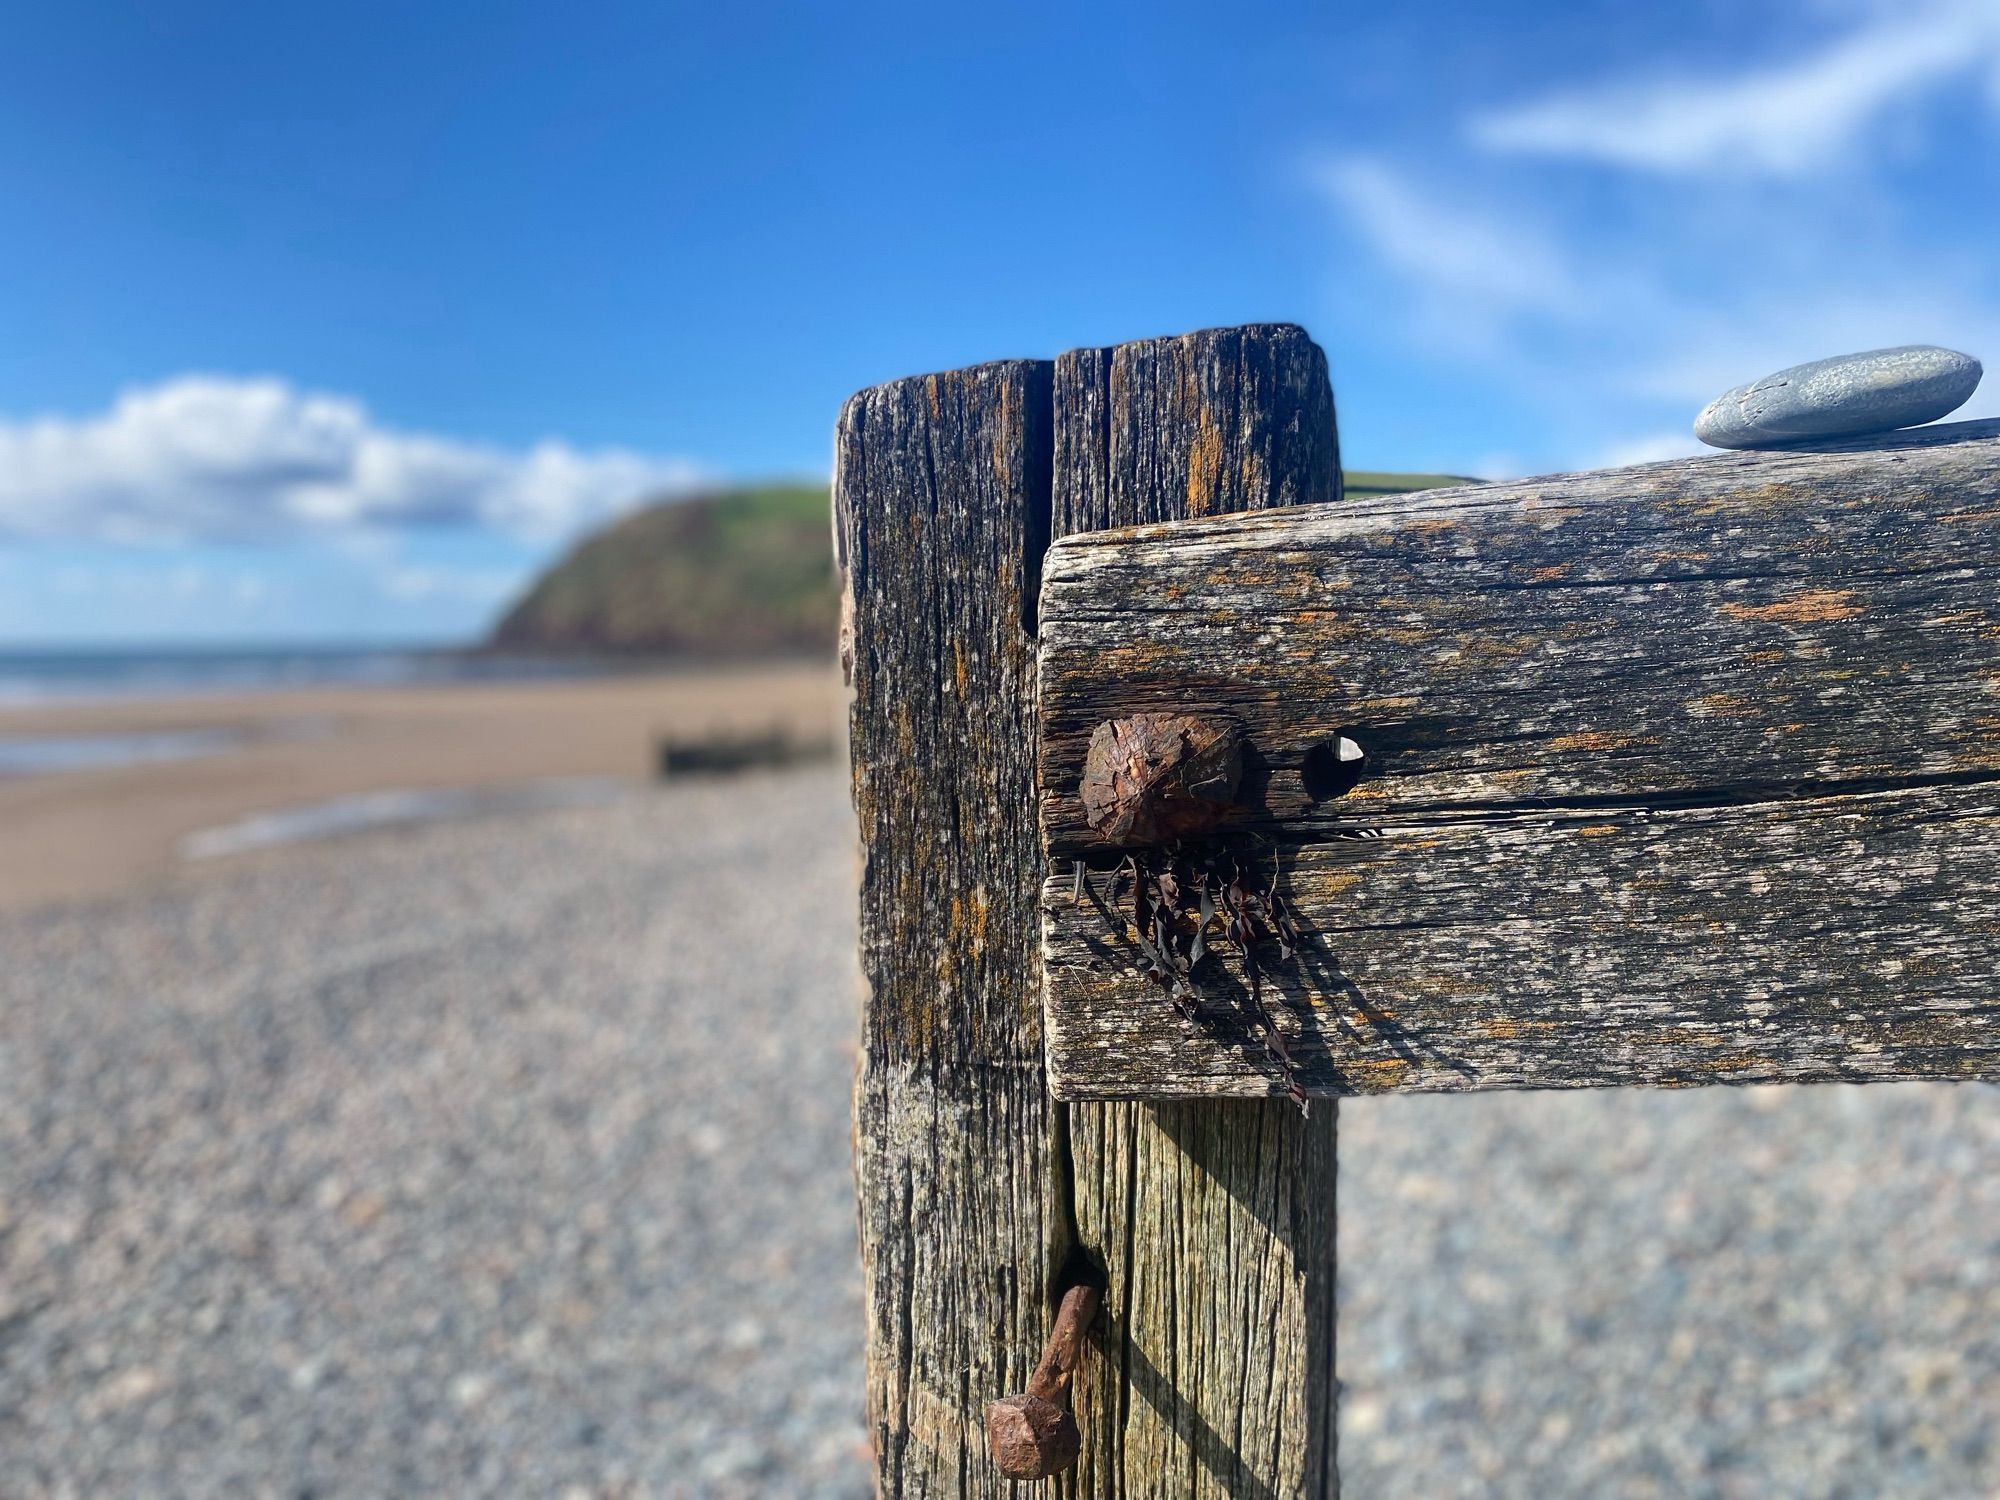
[[1153, 778], [1033, 1435]]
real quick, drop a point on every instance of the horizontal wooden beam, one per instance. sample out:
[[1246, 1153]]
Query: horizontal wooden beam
[[1677, 774]]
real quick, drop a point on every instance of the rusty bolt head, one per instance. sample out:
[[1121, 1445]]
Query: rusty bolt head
[[1154, 778], [1031, 1438]]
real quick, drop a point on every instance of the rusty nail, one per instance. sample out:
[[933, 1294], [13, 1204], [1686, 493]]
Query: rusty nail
[[1153, 778], [1033, 1435]]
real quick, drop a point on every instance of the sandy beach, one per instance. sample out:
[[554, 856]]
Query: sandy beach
[[510, 1156], [94, 832], [501, 1156]]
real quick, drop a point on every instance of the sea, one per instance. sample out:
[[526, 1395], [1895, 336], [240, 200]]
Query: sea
[[68, 675], [47, 677]]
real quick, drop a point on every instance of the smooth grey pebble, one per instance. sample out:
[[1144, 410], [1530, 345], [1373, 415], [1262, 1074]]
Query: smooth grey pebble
[[1846, 396]]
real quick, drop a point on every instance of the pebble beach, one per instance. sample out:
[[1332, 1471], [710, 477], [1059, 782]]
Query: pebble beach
[[510, 1156]]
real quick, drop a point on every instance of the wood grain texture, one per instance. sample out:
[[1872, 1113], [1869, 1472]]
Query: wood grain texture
[[1682, 773], [941, 504], [1213, 1222], [1219, 422]]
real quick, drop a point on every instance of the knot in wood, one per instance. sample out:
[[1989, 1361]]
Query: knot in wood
[[1155, 778]]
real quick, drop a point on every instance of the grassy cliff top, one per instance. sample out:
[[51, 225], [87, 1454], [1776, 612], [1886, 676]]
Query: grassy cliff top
[[1361, 482], [738, 572]]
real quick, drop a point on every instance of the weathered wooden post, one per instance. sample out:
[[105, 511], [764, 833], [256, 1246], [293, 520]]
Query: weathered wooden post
[[1681, 774], [1210, 1223]]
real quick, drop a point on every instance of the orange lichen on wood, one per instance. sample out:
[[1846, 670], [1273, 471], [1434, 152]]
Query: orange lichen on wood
[[1376, 1074], [1773, 496], [1595, 739], [1507, 1028], [1204, 464], [1723, 705], [1801, 609], [1736, 1062]]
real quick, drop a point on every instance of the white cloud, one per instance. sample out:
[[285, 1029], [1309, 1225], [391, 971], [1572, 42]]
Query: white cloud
[[1764, 330], [1786, 120], [1474, 278], [478, 586], [1625, 317], [1502, 267], [1496, 466], [181, 586], [1653, 449], [1604, 301], [211, 458]]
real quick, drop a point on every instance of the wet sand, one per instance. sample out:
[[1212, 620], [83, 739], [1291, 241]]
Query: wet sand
[[82, 833]]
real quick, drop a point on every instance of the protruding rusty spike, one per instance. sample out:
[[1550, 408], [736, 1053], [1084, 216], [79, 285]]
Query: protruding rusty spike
[[1033, 1435]]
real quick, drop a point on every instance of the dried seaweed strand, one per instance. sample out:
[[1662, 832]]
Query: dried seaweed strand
[[1177, 900]]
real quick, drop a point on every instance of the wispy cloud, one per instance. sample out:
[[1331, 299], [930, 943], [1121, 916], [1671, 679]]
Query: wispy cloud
[[1501, 267], [1475, 279], [483, 587], [1600, 310], [1596, 320], [205, 458], [1787, 119], [1652, 449]]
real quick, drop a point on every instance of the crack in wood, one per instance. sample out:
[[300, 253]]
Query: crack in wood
[[1700, 799]]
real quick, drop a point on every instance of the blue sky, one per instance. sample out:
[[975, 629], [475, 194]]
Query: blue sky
[[336, 322]]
